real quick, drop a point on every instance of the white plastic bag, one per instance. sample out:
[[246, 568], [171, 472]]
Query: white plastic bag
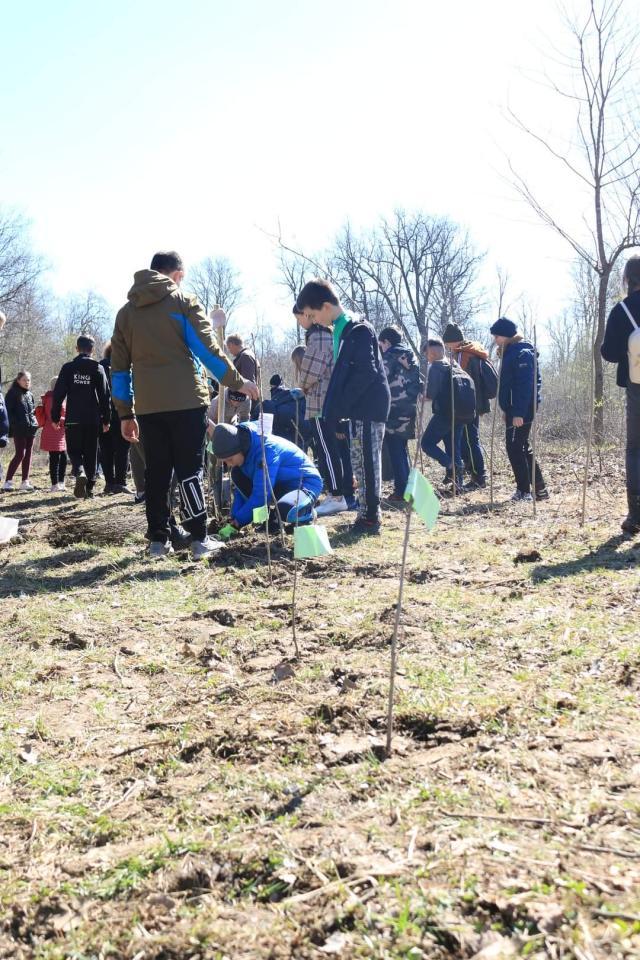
[[8, 529]]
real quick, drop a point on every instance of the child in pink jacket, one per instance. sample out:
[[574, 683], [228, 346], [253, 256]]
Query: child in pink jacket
[[53, 442]]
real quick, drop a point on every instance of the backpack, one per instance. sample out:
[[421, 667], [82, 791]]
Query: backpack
[[489, 379], [460, 388], [39, 412], [633, 347]]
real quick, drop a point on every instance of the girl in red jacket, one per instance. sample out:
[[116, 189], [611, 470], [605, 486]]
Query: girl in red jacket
[[53, 442]]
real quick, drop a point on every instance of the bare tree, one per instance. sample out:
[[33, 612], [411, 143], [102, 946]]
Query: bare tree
[[414, 270], [605, 158], [86, 312], [216, 281], [19, 266]]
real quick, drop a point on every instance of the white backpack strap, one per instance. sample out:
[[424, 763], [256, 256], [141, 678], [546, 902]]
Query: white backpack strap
[[629, 314]]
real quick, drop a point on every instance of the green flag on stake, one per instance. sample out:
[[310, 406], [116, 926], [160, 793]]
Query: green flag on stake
[[261, 514], [310, 541], [420, 495]]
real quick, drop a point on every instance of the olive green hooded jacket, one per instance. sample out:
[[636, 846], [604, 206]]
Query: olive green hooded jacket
[[161, 342]]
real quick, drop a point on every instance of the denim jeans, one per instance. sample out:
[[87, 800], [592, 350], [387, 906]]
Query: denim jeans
[[399, 456], [439, 431], [632, 458]]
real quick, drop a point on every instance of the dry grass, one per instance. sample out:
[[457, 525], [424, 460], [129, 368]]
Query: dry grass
[[173, 784]]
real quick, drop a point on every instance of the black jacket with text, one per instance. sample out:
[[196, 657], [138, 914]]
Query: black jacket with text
[[83, 383]]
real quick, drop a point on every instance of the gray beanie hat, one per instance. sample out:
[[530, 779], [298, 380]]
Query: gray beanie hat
[[228, 440]]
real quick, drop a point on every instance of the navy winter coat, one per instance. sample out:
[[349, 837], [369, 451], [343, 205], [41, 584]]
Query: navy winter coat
[[283, 405], [21, 411], [616, 336], [358, 388], [516, 381]]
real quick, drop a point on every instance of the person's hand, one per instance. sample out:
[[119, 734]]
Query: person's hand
[[105, 427], [130, 430], [517, 422], [56, 426], [249, 389]]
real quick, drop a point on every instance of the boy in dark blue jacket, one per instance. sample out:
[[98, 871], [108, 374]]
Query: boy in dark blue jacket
[[518, 403], [292, 480], [615, 348], [358, 391]]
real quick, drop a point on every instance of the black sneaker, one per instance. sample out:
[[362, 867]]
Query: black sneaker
[[362, 525], [542, 494], [80, 486], [139, 498], [181, 539], [476, 482]]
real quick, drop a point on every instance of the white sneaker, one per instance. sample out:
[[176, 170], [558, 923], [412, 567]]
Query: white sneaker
[[157, 549], [200, 549], [62, 487], [7, 485], [54, 488], [25, 485], [331, 505]]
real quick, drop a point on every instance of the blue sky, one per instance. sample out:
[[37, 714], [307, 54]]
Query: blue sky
[[139, 125]]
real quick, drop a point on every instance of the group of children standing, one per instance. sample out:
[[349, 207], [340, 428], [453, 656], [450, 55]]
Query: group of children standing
[[356, 387]]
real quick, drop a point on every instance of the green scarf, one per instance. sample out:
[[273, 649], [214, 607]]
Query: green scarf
[[338, 326]]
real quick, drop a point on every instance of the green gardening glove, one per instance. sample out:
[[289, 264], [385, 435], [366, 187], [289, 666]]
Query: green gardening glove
[[227, 531]]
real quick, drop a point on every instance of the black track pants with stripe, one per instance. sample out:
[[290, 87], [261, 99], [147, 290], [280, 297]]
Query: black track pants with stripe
[[174, 441], [327, 452]]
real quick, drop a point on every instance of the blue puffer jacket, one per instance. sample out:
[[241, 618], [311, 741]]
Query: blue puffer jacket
[[286, 463], [4, 422], [516, 381]]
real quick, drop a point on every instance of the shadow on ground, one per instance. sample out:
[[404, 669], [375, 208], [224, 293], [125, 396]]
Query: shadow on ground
[[604, 557]]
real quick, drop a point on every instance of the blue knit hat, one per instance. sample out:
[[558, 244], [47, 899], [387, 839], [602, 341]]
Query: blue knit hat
[[504, 328]]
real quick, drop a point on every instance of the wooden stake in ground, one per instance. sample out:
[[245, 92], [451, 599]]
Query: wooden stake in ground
[[493, 435], [587, 461], [403, 564], [264, 472], [295, 573], [219, 320], [534, 426]]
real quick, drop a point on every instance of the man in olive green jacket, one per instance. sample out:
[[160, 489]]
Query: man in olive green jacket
[[161, 342]]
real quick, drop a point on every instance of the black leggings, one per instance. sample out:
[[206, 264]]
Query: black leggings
[[57, 466]]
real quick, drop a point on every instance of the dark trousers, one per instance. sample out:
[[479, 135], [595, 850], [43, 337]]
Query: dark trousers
[[471, 449], [399, 456], [520, 456], [82, 448], [328, 455], [174, 442], [57, 466], [344, 450], [439, 431], [632, 456], [114, 454], [24, 446]]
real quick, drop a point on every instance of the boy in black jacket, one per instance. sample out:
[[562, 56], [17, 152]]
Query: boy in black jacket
[[358, 391], [83, 383], [617, 349]]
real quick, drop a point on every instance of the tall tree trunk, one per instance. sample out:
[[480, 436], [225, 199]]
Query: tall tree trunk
[[598, 372]]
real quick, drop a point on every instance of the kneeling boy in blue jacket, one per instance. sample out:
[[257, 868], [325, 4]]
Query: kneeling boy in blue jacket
[[293, 483]]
